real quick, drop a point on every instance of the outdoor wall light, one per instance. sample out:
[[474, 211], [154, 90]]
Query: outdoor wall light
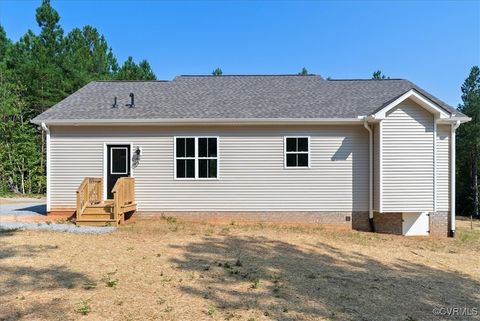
[[136, 156]]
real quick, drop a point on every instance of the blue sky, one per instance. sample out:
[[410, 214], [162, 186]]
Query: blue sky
[[431, 43]]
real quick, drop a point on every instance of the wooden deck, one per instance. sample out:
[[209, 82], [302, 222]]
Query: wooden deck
[[94, 211]]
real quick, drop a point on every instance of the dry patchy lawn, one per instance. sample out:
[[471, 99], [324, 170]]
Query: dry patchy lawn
[[169, 270]]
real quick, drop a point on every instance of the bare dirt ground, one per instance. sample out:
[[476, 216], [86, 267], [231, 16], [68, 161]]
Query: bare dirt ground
[[169, 270]]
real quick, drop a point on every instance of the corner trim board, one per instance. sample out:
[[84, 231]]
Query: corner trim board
[[380, 165], [435, 163], [47, 131]]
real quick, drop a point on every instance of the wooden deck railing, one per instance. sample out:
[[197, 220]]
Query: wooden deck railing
[[123, 197], [90, 192]]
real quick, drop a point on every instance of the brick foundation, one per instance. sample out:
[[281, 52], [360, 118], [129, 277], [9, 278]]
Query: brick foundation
[[440, 224], [390, 223], [346, 220], [361, 222]]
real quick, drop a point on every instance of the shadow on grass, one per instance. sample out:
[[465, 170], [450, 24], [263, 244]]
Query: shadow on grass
[[319, 281], [8, 232], [19, 282]]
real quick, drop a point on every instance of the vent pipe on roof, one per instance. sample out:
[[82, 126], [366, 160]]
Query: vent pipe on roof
[[114, 102], [132, 101]]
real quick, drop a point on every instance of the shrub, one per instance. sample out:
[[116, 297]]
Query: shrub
[[83, 307], [211, 311], [255, 283]]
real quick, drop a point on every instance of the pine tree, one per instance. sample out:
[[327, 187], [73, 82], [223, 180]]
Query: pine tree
[[131, 71], [217, 72], [4, 43], [303, 72], [377, 75], [87, 57], [468, 143]]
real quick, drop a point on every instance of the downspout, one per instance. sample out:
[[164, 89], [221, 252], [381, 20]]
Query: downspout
[[435, 163], [452, 177], [47, 132], [370, 173]]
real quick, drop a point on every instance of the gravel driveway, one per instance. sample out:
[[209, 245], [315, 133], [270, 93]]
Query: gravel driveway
[[31, 214], [21, 207]]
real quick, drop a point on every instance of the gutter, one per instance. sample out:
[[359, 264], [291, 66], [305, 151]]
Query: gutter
[[453, 120], [200, 121], [370, 172], [452, 177], [47, 132]]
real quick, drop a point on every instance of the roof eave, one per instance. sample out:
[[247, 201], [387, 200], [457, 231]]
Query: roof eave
[[198, 121], [454, 119]]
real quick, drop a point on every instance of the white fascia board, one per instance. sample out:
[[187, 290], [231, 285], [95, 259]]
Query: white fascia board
[[419, 99], [453, 120], [204, 121]]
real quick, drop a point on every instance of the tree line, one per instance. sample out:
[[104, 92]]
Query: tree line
[[38, 71], [468, 147]]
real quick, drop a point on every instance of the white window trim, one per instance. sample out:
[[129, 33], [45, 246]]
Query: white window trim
[[126, 161], [196, 159], [175, 158], [285, 153]]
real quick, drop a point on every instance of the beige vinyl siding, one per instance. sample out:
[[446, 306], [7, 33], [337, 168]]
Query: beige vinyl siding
[[376, 166], [251, 175], [443, 172], [70, 161], [407, 159]]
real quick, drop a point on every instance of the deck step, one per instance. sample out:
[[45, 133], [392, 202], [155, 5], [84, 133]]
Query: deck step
[[96, 222], [98, 209], [100, 216]]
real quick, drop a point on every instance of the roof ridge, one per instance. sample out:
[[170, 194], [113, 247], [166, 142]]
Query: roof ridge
[[253, 75], [120, 80], [365, 79]]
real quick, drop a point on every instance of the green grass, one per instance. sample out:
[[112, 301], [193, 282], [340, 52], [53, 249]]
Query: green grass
[[468, 236]]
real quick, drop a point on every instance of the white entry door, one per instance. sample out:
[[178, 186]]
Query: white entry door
[[415, 224]]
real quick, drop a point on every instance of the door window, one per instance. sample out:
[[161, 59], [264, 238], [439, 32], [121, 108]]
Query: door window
[[118, 160]]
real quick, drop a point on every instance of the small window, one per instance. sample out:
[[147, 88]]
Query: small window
[[297, 151], [196, 157]]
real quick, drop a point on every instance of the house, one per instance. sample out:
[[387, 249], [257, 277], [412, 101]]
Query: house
[[361, 154]]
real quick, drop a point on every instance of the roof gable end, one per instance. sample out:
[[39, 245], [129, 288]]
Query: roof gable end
[[418, 98]]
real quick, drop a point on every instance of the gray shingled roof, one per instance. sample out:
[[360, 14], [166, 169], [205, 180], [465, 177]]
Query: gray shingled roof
[[232, 97]]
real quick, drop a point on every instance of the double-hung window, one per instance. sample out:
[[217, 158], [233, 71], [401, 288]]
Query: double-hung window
[[297, 152], [196, 157], [207, 157], [185, 157]]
